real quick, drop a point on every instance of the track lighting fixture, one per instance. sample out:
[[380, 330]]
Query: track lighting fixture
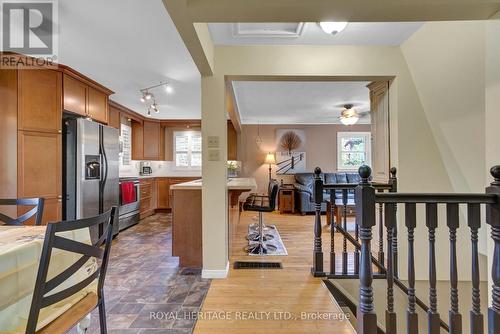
[[148, 96]]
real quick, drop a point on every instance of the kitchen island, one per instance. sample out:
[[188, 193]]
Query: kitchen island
[[187, 217]]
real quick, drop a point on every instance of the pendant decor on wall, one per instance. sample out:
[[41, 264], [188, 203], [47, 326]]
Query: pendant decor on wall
[[290, 155]]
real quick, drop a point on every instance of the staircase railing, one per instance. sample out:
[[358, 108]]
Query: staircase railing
[[379, 260], [366, 199]]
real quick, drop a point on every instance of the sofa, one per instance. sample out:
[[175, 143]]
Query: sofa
[[304, 193]]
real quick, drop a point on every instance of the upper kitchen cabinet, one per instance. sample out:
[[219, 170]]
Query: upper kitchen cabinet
[[39, 100], [148, 140], [97, 103], [114, 117], [85, 99], [75, 96]]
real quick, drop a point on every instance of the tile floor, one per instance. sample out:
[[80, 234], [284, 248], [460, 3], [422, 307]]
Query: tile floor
[[145, 290]]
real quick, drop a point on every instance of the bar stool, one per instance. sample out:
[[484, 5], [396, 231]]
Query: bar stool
[[253, 235], [261, 204]]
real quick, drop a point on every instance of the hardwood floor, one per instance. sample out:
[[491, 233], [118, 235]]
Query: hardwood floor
[[291, 290]]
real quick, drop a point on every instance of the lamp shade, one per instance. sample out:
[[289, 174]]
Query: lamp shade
[[270, 159]]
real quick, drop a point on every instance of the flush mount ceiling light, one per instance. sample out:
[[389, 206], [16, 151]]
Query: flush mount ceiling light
[[332, 28]]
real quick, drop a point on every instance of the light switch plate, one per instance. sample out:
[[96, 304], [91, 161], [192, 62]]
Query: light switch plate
[[213, 155], [213, 141]]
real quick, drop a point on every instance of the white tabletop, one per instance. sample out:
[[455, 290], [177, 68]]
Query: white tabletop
[[237, 183]]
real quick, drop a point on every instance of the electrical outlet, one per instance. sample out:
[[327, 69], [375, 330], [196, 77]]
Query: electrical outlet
[[213, 155], [213, 141]]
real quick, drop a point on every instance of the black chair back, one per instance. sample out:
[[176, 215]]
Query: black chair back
[[37, 210], [273, 194], [43, 287]]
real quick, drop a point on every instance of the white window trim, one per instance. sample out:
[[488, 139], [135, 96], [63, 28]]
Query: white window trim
[[368, 146], [189, 152]]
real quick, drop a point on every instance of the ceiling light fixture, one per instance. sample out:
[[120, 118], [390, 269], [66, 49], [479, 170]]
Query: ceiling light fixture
[[148, 96], [332, 28], [168, 88], [349, 115], [149, 112], [154, 106]]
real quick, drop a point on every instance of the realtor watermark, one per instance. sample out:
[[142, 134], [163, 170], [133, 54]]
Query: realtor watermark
[[249, 316], [29, 28]]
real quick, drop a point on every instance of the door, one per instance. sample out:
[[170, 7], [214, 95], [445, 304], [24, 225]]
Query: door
[[88, 169], [39, 100], [110, 148], [151, 143], [75, 95], [97, 105]]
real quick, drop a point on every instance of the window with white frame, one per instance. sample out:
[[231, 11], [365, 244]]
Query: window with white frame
[[187, 149], [353, 150]]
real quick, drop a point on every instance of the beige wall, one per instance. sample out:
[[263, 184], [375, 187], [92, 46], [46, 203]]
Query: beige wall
[[414, 150], [320, 147]]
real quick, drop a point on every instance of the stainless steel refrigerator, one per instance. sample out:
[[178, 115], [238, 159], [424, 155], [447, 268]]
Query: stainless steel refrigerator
[[91, 169]]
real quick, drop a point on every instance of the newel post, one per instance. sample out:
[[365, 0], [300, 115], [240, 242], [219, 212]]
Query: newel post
[[365, 218], [393, 181], [317, 268], [493, 219]]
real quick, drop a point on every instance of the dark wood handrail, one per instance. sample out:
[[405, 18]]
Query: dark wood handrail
[[349, 186], [399, 198]]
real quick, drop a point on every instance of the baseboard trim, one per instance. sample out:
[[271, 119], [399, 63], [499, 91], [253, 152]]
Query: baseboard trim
[[211, 273]]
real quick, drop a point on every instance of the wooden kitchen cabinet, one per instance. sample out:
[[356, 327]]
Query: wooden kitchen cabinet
[[85, 100], [39, 165], [137, 141], [148, 202], [114, 116], [151, 141], [232, 142], [39, 100], [75, 95], [163, 191], [148, 141], [97, 105], [52, 211]]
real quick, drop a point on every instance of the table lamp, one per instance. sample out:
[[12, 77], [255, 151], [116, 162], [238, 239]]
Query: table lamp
[[270, 159]]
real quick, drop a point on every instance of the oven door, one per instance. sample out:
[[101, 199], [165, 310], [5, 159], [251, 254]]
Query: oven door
[[131, 208]]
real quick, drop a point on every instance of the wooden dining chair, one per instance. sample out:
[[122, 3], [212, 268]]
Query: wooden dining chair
[[36, 203], [99, 250]]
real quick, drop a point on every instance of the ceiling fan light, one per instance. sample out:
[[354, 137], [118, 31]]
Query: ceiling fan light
[[349, 120], [332, 27]]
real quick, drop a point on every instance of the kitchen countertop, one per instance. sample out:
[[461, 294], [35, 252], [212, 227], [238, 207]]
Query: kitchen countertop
[[156, 176], [238, 183]]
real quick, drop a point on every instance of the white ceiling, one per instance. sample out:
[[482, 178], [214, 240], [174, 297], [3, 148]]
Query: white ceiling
[[127, 45], [374, 33], [287, 102]]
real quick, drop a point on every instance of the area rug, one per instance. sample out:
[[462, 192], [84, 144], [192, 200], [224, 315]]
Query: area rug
[[277, 241]]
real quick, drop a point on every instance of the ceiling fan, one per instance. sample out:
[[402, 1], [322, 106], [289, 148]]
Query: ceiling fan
[[350, 116]]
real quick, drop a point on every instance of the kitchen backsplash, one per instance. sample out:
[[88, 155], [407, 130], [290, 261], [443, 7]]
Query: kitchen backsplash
[[160, 168]]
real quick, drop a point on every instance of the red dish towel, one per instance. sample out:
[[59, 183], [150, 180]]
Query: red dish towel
[[128, 192]]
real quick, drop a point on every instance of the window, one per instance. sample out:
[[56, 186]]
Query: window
[[187, 149], [353, 150]]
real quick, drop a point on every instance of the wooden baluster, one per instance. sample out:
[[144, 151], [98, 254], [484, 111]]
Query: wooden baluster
[[431, 221], [332, 231], [452, 220], [474, 222], [317, 269], [390, 315], [493, 219], [365, 216], [381, 256], [411, 223], [393, 181], [344, 224]]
